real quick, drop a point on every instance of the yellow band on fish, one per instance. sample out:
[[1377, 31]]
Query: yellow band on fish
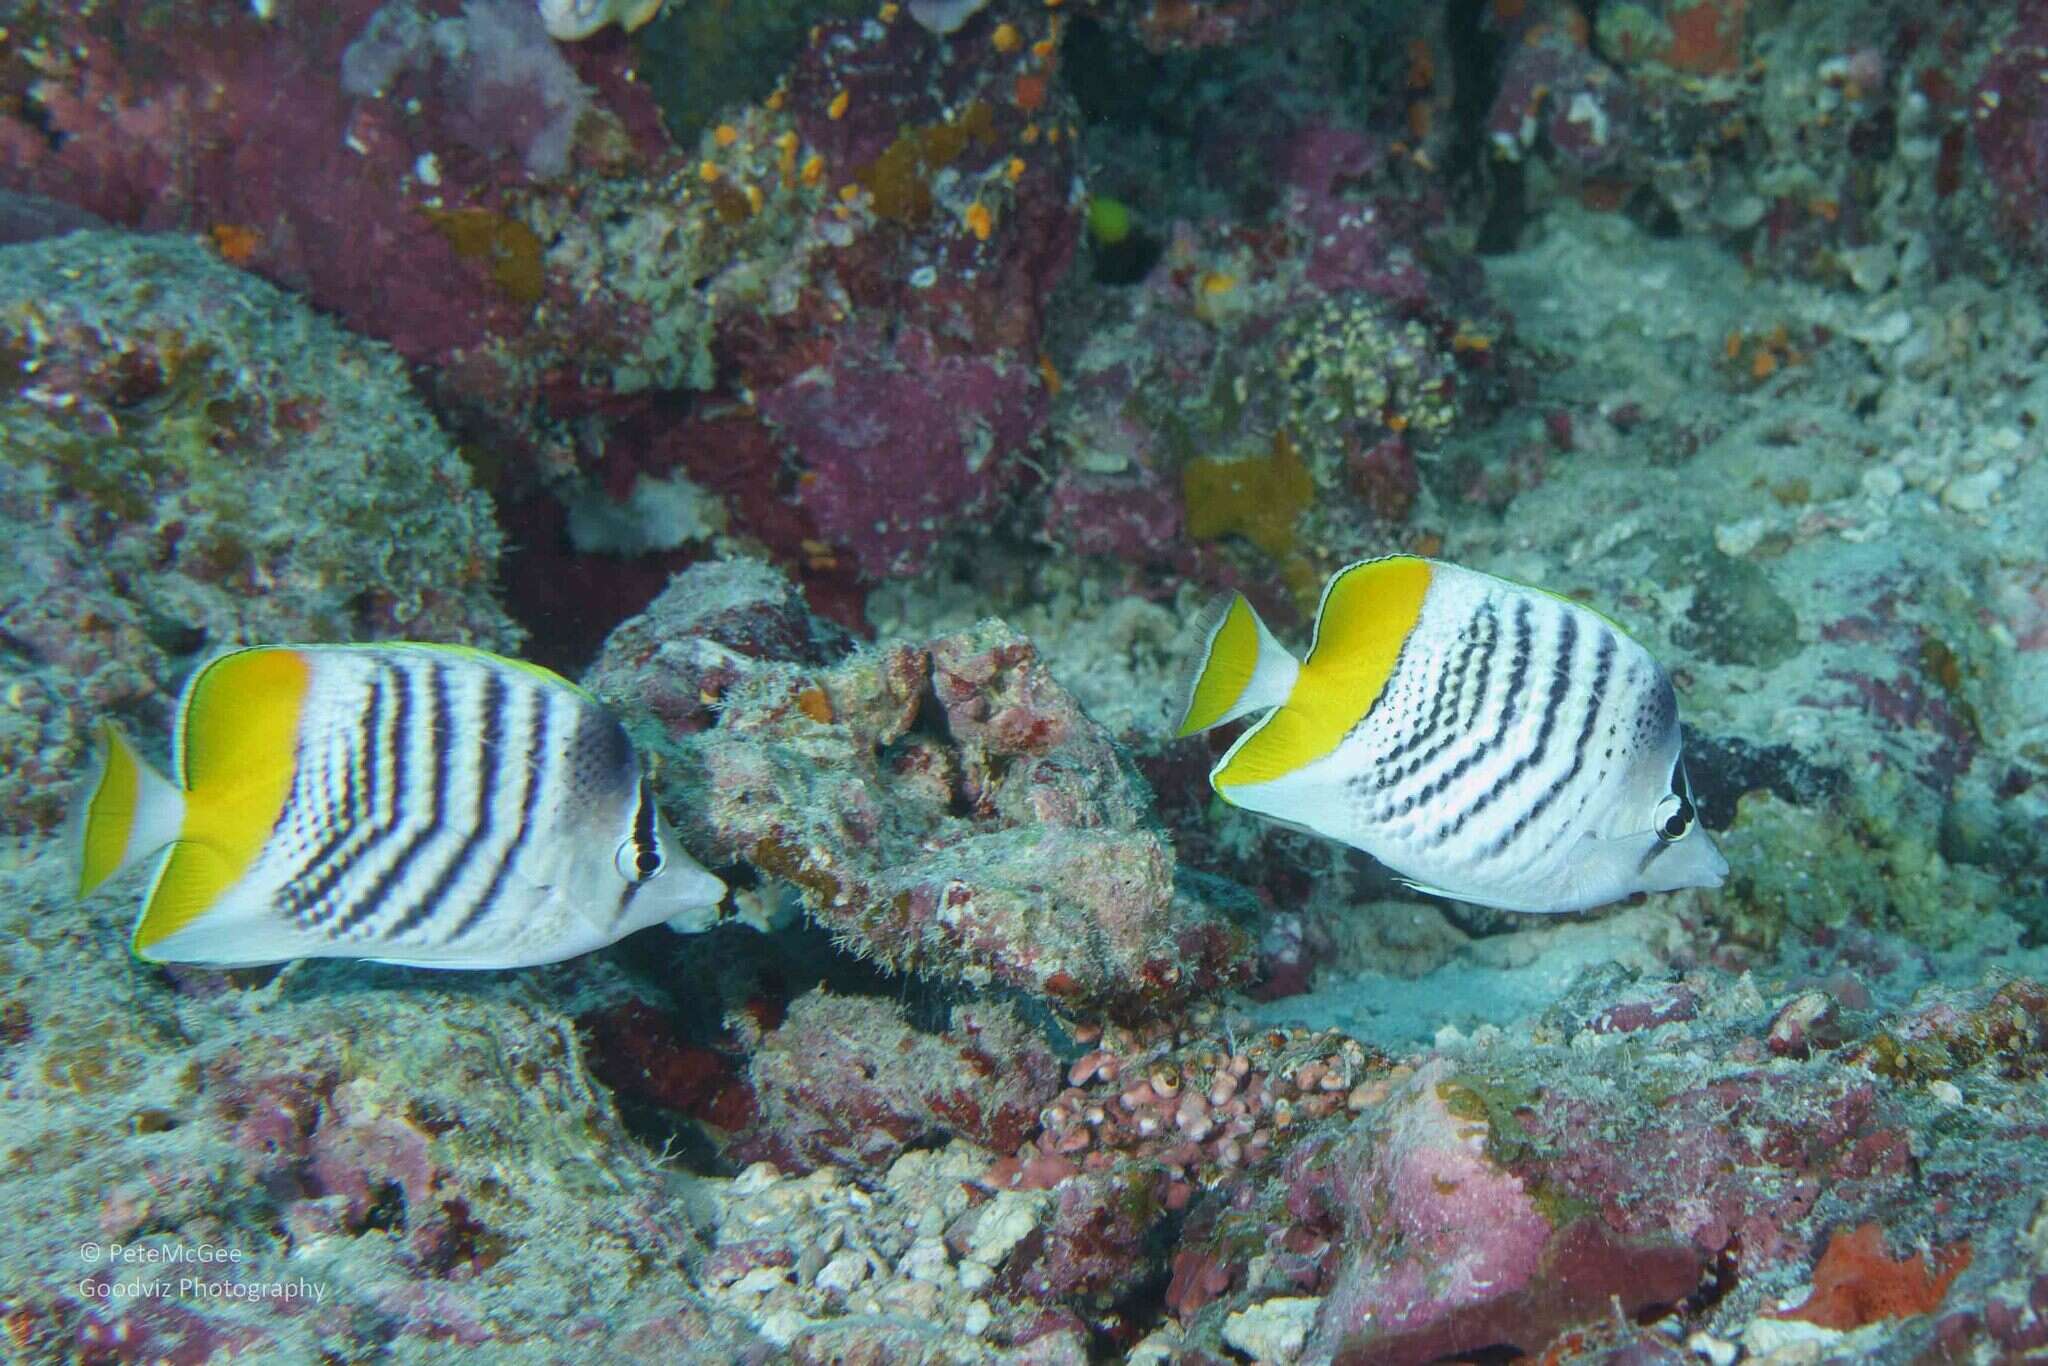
[[1367, 613], [237, 750]]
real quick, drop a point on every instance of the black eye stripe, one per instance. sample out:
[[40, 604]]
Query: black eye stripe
[[646, 848]]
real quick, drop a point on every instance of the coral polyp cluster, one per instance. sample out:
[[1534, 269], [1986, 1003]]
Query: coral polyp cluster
[[1191, 1110]]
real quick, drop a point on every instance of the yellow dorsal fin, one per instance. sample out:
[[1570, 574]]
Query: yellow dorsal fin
[[237, 742], [1368, 609]]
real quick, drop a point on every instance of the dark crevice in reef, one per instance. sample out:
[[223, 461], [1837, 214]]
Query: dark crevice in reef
[[1474, 50]]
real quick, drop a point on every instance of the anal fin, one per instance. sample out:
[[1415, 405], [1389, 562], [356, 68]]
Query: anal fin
[[189, 882]]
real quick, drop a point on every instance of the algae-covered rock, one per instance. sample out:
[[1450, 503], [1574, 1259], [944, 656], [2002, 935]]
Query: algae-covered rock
[[944, 806], [192, 459], [198, 1170], [846, 1080], [1845, 864], [1737, 616]]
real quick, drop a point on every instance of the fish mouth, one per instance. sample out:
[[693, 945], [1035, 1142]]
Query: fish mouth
[[1718, 869]]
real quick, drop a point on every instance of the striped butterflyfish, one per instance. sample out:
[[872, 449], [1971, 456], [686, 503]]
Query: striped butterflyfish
[[1487, 741], [430, 805]]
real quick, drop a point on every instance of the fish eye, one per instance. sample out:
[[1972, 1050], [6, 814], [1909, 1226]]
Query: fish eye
[[637, 862], [1674, 816]]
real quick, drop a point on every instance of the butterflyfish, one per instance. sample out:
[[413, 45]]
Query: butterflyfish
[[429, 805], [1488, 742]]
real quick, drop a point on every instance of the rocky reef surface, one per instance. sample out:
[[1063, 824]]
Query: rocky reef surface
[[864, 400]]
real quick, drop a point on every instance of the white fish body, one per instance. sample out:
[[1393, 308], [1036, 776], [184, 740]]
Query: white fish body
[[418, 804], [1487, 741]]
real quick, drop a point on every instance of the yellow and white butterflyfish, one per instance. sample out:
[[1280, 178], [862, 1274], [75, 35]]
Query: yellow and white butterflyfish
[[428, 805], [1487, 741]]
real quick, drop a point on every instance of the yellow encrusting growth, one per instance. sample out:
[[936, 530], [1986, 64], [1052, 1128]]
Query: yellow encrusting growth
[[900, 178], [1226, 669], [1367, 612], [1259, 499], [236, 748]]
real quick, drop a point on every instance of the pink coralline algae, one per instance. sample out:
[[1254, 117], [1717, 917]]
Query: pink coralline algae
[[901, 439], [323, 189], [503, 85], [1506, 1197], [944, 807], [846, 1080], [880, 235], [1187, 25], [954, 225], [1556, 97], [1357, 230], [1131, 515], [2009, 124], [633, 1049], [1465, 1257]]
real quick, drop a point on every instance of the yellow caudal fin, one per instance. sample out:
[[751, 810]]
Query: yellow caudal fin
[[1242, 669], [1368, 609], [237, 751], [127, 812]]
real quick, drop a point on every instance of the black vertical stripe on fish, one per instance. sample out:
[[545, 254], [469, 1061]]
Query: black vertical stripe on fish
[[626, 895], [1451, 696], [539, 734], [341, 826], [306, 796], [491, 727], [1462, 727], [437, 732], [1603, 665], [1560, 685], [329, 864], [1496, 736], [644, 846]]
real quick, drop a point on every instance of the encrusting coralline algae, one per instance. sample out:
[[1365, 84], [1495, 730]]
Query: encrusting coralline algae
[[865, 413]]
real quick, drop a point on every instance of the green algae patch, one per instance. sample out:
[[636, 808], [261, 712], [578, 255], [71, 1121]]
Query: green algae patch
[[1851, 863], [1495, 1102], [1737, 616]]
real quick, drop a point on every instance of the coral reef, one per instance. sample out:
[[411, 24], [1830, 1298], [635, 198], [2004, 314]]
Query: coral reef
[[984, 1080], [311, 1166], [944, 807], [192, 460], [876, 392], [511, 215]]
